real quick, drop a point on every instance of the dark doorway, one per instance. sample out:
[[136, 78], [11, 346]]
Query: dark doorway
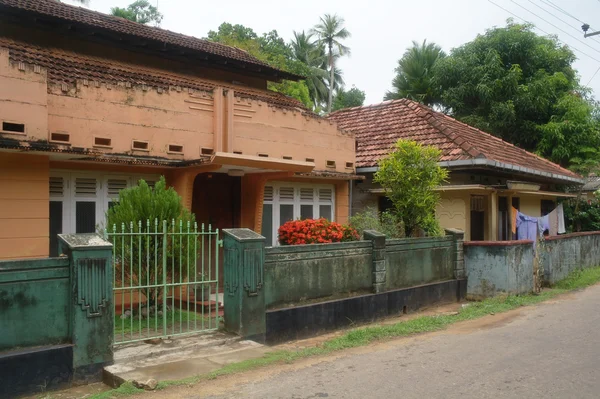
[[217, 201], [477, 218]]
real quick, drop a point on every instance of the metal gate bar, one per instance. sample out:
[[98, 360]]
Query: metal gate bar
[[159, 272]]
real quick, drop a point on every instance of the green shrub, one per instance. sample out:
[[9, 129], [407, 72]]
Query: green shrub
[[138, 258]]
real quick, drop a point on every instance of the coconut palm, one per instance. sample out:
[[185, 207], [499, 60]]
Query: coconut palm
[[415, 72], [308, 51], [331, 32]]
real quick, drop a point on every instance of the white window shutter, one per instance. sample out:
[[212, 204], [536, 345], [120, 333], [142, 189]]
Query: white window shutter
[[85, 187], [307, 194], [286, 193], [268, 195], [114, 186], [57, 186], [325, 195]]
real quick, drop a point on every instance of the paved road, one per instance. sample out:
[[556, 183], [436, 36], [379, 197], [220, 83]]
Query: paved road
[[549, 351]]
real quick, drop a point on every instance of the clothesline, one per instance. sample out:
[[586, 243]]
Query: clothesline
[[530, 228]]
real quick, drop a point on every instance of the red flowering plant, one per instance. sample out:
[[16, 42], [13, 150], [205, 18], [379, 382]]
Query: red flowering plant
[[311, 231]]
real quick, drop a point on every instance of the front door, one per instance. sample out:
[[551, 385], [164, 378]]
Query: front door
[[217, 202]]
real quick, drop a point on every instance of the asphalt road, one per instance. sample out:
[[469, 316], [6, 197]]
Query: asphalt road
[[550, 351]]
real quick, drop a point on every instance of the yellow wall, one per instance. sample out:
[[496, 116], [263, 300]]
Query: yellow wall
[[453, 211], [530, 205], [24, 206]]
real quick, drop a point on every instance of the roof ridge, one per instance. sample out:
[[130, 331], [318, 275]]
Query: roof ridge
[[430, 117], [98, 20], [491, 136], [359, 107]]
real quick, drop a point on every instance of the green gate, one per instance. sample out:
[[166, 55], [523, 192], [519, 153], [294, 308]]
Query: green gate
[[166, 279]]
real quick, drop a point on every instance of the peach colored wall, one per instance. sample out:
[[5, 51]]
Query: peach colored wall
[[24, 209], [530, 205], [176, 116], [263, 129], [23, 99], [452, 211], [126, 114]]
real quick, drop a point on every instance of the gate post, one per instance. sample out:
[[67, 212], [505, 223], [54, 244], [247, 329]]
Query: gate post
[[244, 296], [457, 251], [378, 268], [92, 308]]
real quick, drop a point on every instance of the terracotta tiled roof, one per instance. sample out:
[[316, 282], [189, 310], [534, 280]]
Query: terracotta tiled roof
[[68, 67], [96, 20], [378, 127]]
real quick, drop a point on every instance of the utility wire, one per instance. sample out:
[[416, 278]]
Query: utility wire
[[560, 29], [543, 31], [548, 2], [593, 76], [561, 20]]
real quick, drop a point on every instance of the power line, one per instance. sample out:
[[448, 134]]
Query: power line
[[561, 20], [593, 76], [543, 31], [557, 8], [548, 2], [550, 23]]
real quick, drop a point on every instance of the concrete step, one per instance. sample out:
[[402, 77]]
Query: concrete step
[[178, 358]]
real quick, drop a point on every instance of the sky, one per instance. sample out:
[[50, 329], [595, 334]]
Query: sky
[[383, 29]]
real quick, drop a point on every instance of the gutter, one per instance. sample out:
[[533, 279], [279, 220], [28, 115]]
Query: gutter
[[492, 164]]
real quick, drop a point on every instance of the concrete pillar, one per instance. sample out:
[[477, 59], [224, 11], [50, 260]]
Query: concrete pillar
[[243, 279], [378, 268], [493, 216], [92, 307], [458, 237]]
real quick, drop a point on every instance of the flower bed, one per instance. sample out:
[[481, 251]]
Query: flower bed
[[311, 231]]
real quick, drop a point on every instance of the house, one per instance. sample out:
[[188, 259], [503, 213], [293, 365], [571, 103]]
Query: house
[[592, 184], [91, 103], [487, 175]]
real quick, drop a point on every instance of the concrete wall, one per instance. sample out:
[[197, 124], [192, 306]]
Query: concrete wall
[[302, 272], [24, 209], [416, 261], [498, 267], [563, 254], [34, 302]]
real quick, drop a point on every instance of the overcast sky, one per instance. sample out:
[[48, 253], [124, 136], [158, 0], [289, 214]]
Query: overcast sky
[[383, 29]]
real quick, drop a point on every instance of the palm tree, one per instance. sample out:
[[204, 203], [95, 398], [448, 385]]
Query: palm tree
[[331, 32], [309, 52], [415, 72]]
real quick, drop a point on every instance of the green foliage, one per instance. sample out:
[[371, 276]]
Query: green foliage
[[346, 99], [385, 222], [271, 49], [140, 11], [410, 174], [414, 74], [331, 32], [141, 209], [581, 215], [522, 88]]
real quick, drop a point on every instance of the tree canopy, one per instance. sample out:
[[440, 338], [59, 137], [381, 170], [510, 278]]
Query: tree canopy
[[410, 174], [346, 99], [414, 73], [521, 87], [140, 11]]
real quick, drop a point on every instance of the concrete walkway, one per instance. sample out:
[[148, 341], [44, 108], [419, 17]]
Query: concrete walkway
[[549, 351]]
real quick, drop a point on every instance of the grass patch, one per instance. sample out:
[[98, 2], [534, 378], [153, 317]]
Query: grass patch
[[175, 319], [365, 335]]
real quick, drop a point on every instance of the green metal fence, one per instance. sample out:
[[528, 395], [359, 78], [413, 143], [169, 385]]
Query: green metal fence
[[166, 279]]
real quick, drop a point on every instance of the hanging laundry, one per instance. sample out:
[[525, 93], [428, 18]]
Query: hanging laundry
[[561, 219], [513, 215], [553, 219], [543, 224], [527, 227]]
